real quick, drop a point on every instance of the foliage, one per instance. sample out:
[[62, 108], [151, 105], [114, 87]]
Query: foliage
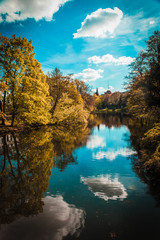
[[68, 112], [144, 85], [27, 99], [144, 100], [67, 103], [108, 100], [85, 92]]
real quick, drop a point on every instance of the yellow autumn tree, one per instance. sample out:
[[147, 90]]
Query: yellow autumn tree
[[27, 99], [67, 104]]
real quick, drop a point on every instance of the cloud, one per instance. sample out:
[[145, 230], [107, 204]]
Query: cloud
[[89, 74], [57, 220], [109, 59], [136, 24], [21, 9], [95, 142], [111, 154], [152, 22], [105, 188], [1, 19], [100, 24]]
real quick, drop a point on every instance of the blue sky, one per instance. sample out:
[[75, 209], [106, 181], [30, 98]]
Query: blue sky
[[93, 39]]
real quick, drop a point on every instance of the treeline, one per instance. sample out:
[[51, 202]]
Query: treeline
[[28, 96], [110, 101], [144, 102]]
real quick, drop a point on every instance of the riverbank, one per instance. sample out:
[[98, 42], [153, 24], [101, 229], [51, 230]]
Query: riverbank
[[110, 111], [8, 129]]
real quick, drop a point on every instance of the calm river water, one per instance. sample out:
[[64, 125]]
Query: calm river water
[[75, 184]]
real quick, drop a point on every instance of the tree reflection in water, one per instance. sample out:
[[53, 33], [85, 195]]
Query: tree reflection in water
[[27, 159], [151, 177], [26, 162], [137, 129], [26, 169], [65, 140]]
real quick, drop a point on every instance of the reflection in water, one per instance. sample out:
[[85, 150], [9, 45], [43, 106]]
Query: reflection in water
[[111, 154], [57, 221], [106, 188], [95, 141], [25, 171], [26, 160], [107, 120], [65, 140]]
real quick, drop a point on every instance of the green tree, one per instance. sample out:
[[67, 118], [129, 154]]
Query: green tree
[[144, 102], [28, 97], [144, 85]]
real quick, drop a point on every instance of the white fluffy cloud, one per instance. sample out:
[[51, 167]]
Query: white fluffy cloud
[[57, 220], [152, 22], [89, 74], [95, 142], [23, 9], [100, 23], [109, 59], [106, 188], [111, 154]]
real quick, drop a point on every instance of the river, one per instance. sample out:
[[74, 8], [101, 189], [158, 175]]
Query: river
[[75, 184]]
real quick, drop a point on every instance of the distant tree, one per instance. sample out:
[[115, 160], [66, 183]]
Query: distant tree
[[97, 101], [27, 98], [85, 91]]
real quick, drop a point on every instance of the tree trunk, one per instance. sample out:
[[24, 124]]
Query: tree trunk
[[55, 104], [13, 118], [4, 107]]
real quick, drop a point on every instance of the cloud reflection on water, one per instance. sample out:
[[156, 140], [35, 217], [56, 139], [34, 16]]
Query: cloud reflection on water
[[95, 142], [57, 221], [112, 154], [106, 188]]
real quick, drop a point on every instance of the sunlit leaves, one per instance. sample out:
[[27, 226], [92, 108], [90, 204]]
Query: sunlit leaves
[[28, 98]]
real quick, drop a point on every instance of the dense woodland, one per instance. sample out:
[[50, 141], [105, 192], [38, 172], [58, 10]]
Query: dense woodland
[[143, 103], [29, 97]]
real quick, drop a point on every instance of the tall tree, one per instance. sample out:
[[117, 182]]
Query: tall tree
[[28, 97], [67, 103], [85, 91], [57, 85], [144, 85]]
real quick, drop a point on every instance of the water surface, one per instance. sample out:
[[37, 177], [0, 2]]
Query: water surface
[[75, 184]]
